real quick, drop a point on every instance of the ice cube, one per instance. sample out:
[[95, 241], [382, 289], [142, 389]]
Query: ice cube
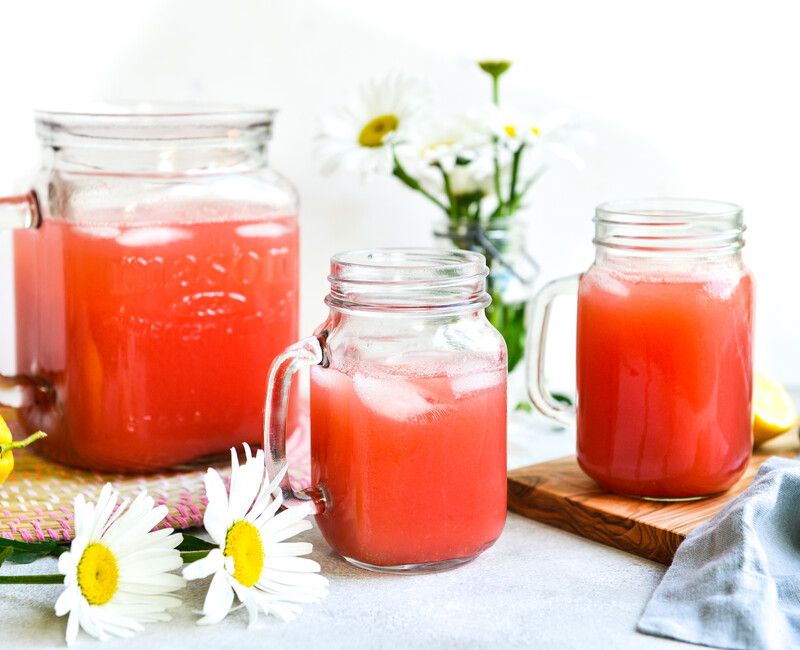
[[152, 236], [324, 377], [262, 230], [471, 382], [101, 232], [393, 398]]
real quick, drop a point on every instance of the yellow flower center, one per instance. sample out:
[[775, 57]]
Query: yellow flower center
[[243, 544], [98, 574], [510, 130], [375, 130], [535, 131]]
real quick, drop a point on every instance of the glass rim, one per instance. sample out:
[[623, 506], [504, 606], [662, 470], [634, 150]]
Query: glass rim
[[151, 121], [399, 265], [669, 227], [408, 280], [650, 210]]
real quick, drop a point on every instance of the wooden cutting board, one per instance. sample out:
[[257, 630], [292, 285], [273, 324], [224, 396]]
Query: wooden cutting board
[[560, 494]]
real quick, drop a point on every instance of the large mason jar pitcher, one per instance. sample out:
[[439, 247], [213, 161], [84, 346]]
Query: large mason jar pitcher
[[664, 350], [156, 271], [408, 410]]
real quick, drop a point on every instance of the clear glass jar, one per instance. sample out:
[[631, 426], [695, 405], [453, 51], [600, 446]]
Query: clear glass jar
[[664, 349], [408, 410], [156, 269]]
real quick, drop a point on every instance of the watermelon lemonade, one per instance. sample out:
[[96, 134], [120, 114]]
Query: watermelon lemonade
[[414, 458], [156, 337]]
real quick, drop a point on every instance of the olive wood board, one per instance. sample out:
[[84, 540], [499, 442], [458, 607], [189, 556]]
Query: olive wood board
[[558, 493]]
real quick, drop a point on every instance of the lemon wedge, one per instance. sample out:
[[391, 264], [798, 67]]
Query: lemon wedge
[[774, 411]]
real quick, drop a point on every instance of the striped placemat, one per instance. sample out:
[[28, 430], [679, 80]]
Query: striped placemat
[[36, 500]]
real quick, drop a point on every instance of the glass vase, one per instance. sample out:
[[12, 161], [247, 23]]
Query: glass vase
[[512, 272]]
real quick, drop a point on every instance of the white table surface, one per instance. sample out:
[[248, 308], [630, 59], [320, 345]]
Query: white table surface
[[537, 587]]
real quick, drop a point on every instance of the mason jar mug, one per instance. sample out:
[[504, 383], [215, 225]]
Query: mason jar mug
[[408, 410], [664, 350], [156, 273]]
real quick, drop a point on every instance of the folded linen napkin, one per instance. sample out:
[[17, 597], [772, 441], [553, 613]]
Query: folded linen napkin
[[735, 580]]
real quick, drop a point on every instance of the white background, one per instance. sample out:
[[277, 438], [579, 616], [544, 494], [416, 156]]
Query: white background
[[684, 97]]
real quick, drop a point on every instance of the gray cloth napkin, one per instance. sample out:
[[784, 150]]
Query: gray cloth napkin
[[735, 580]]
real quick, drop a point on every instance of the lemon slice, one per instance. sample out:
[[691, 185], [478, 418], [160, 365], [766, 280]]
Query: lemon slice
[[774, 412]]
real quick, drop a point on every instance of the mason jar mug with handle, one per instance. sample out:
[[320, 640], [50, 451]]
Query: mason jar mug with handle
[[408, 410], [664, 350]]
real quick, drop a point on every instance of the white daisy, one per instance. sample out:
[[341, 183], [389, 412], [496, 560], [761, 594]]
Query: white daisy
[[253, 560], [358, 135], [116, 570], [513, 128], [448, 140]]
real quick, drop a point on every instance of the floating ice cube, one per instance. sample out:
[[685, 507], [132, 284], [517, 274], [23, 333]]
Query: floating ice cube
[[152, 236], [324, 377], [393, 397], [101, 232], [471, 382], [262, 230]]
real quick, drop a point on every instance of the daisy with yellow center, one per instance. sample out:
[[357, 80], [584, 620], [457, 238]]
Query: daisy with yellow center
[[360, 136], [513, 128], [253, 561], [116, 571]]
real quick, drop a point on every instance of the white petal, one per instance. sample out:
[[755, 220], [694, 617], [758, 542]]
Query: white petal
[[298, 564], [66, 601], [247, 598], [288, 531], [284, 520], [72, 627], [211, 563], [163, 583], [218, 600], [67, 563], [287, 549]]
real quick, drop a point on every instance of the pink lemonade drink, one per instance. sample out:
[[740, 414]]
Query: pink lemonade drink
[[664, 379], [157, 337], [414, 461]]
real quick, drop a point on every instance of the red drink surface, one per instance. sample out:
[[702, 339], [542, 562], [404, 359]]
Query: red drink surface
[[157, 338], [415, 465], [664, 373]]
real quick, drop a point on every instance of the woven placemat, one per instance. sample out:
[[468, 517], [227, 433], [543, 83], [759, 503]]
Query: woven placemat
[[36, 500]]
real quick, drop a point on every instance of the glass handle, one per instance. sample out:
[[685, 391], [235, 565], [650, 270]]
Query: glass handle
[[20, 211], [303, 354], [539, 319], [21, 391]]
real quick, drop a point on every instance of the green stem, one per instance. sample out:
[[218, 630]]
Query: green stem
[[512, 192], [449, 191], [42, 579], [521, 194], [495, 147], [193, 556], [400, 173], [18, 444]]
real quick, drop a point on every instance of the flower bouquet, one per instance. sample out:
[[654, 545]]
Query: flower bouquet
[[476, 168]]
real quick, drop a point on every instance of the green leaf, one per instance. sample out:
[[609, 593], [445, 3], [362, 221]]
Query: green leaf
[[27, 552], [564, 399], [192, 543], [524, 406], [5, 554]]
